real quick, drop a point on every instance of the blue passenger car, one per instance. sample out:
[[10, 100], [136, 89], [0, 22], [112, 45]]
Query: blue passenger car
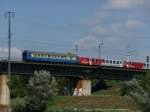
[[36, 56]]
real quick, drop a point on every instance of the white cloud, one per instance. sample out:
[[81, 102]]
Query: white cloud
[[15, 52], [87, 42], [100, 29], [124, 3], [134, 23], [116, 36], [116, 28]]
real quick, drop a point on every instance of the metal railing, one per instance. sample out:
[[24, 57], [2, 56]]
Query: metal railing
[[12, 59]]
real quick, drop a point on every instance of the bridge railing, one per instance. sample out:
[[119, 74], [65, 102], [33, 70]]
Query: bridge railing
[[12, 59]]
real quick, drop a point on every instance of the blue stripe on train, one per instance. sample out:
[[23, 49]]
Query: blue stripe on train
[[52, 60]]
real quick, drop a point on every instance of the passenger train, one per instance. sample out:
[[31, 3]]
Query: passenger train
[[69, 58]]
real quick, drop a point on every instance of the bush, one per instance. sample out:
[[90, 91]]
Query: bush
[[138, 90], [41, 87], [18, 104]]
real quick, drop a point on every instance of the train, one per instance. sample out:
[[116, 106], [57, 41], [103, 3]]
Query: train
[[70, 58]]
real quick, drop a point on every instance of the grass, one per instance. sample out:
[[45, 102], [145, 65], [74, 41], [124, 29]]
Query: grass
[[92, 102], [109, 100]]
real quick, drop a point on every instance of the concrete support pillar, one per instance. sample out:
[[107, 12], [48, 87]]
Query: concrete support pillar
[[4, 94], [83, 88]]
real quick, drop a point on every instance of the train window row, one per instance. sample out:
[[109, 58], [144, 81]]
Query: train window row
[[146, 65], [135, 63], [111, 62], [54, 56]]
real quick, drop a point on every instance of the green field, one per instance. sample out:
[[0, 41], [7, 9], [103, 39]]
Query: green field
[[108, 100]]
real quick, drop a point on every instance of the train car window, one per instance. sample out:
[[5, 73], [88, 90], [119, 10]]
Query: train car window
[[117, 62], [103, 61], [147, 65], [97, 60], [107, 61], [114, 62], [110, 61], [120, 62]]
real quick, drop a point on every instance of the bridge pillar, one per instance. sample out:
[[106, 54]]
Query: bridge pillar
[[83, 88], [4, 94]]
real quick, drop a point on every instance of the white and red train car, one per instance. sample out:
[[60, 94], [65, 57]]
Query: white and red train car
[[108, 62], [89, 61]]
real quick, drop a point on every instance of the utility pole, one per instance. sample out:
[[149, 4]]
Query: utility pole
[[99, 49], [147, 62], [8, 15], [128, 53], [76, 49]]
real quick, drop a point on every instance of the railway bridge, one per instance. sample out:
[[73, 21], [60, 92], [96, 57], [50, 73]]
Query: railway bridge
[[82, 73]]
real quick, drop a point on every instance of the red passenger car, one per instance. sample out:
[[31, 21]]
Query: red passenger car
[[83, 60], [89, 61], [96, 61], [133, 65]]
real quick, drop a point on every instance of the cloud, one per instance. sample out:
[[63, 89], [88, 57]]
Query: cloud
[[134, 23], [15, 52], [87, 42], [100, 29], [117, 28], [124, 3]]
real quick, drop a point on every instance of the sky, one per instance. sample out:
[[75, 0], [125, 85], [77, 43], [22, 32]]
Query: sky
[[121, 27]]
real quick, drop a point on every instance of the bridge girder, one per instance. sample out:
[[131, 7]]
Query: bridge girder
[[65, 70]]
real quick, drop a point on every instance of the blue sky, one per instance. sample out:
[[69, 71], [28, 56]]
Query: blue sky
[[57, 25]]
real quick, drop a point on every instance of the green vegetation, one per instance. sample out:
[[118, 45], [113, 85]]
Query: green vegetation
[[40, 88], [108, 100], [91, 103], [138, 90], [37, 93], [18, 85]]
